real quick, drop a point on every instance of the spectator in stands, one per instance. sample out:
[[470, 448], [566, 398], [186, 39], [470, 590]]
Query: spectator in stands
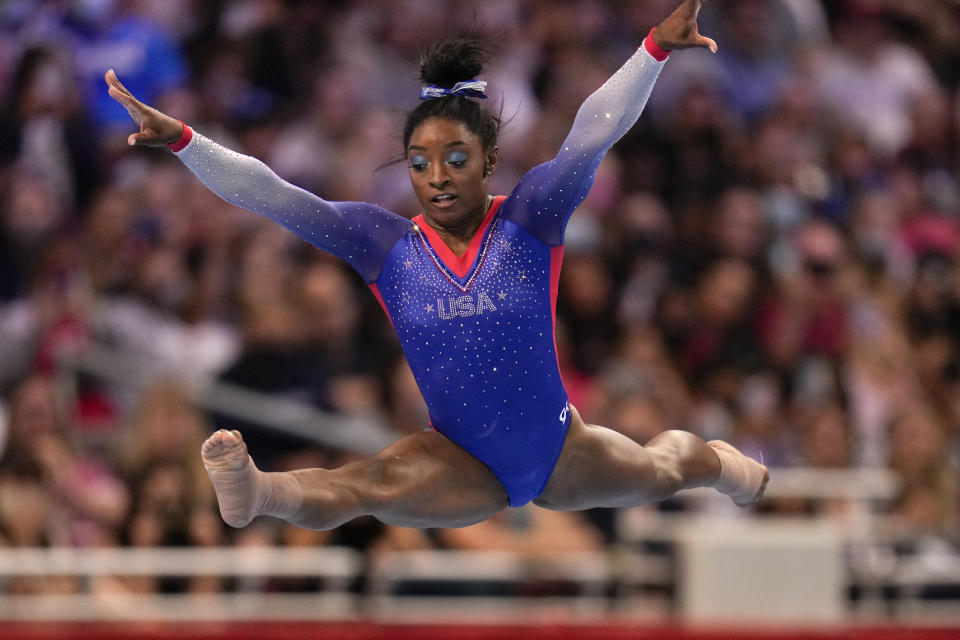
[[929, 501], [870, 80], [114, 30], [86, 498], [172, 504]]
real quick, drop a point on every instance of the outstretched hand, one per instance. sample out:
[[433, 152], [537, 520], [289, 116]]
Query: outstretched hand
[[156, 128], [679, 30]]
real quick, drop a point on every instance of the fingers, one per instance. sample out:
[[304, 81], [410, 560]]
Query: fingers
[[119, 85], [156, 129], [126, 99], [132, 105], [137, 138], [114, 81], [679, 30]]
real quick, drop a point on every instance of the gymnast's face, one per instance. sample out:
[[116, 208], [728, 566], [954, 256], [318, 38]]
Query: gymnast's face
[[448, 170]]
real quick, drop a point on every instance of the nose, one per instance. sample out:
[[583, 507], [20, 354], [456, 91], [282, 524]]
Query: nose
[[438, 176]]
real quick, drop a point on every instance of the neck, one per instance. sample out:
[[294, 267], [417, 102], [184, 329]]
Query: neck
[[458, 236]]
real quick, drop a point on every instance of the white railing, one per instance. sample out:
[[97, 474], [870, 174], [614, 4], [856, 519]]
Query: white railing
[[339, 570], [94, 600], [339, 564], [415, 585]]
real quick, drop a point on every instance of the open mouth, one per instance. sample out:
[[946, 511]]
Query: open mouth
[[443, 199]]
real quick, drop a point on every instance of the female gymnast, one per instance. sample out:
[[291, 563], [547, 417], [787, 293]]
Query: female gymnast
[[470, 287]]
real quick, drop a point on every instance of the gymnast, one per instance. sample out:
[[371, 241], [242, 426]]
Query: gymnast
[[470, 287]]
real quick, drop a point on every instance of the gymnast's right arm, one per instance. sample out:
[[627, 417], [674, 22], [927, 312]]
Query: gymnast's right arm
[[359, 233]]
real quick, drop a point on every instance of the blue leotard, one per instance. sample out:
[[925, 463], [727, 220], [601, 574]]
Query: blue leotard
[[477, 330]]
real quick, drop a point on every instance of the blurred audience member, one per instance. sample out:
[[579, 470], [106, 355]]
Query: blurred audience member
[[173, 503]]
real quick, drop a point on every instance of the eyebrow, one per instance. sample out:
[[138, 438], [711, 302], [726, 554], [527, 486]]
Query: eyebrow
[[455, 143]]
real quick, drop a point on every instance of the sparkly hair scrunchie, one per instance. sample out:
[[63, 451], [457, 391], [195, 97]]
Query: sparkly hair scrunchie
[[467, 89]]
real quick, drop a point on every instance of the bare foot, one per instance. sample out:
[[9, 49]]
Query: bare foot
[[236, 479], [225, 451], [741, 477]]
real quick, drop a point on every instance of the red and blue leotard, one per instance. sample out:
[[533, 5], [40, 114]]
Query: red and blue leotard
[[477, 330]]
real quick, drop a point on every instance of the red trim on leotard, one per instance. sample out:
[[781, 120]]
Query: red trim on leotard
[[184, 140], [556, 261], [376, 294], [654, 49], [460, 265]]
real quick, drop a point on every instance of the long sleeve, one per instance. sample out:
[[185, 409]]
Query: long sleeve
[[547, 195], [359, 233]]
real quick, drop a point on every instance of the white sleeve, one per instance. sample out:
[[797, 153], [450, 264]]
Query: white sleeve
[[548, 194], [358, 232]]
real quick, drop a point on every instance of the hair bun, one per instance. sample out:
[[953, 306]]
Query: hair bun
[[454, 59]]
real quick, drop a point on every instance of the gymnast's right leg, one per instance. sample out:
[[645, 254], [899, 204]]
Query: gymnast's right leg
[[422, 480]]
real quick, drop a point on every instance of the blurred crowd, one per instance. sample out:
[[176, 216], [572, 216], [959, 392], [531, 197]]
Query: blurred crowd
[[771, 256]]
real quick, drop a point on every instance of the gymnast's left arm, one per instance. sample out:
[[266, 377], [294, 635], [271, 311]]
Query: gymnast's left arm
[[548, 194]]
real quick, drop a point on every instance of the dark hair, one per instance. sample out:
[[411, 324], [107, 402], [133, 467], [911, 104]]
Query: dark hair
[[445, 63]]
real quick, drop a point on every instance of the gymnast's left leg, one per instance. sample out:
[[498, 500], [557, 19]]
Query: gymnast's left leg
[[599, 467]]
